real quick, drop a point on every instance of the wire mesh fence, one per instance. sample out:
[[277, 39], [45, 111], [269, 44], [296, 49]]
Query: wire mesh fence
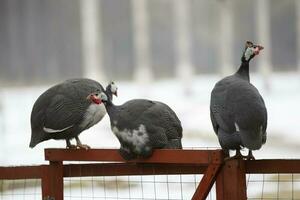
[[23, 189], [160, 187], [273, 186], [168, 174]]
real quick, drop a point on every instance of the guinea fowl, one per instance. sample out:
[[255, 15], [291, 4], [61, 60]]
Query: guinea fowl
[[142, 125], [65, 110], [237, 110]]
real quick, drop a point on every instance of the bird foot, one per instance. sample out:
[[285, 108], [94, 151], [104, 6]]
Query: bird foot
[[83, 146], [71, 146], [250, 157], [235, 157], [238, 155], [126, 154]]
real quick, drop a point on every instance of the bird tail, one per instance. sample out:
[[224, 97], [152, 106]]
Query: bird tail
[[36, 137], [253, 140], [33, 143]]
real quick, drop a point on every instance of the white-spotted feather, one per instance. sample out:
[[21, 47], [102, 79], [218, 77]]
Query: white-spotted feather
[[137, 137], [237, 128]]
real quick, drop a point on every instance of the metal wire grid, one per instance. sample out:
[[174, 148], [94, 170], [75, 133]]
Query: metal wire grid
[[160, 187], [26, 189], [273, 186]]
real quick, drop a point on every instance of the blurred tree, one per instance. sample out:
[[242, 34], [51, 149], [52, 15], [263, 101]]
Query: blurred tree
[[263, 30], [184, 66], [226, 36], [92, 46], [143, 71]]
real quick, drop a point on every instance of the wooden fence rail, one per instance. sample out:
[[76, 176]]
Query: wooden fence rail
[[229, 176]]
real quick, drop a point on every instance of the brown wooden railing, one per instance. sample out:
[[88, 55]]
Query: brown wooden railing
[[229, 176]]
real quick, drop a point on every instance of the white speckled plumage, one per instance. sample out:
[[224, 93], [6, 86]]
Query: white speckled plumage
[[136, 137], [65, 110], [142, 125]]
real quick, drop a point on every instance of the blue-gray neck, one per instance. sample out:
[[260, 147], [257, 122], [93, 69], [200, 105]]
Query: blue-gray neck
[[243, 71], [111, 108]]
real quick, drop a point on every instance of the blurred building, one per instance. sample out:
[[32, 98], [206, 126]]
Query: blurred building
[[45, 41]]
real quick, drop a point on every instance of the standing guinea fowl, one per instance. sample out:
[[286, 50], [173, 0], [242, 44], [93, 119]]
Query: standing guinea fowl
[[143, 125], [65, 110], [237, 110]]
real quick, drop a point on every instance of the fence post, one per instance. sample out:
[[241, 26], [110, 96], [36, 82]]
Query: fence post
[[52, 181], [210, 175], [231, 181]]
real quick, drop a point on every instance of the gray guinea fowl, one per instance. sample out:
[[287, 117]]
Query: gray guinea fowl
[[65, 110], [237, 110], [143, 125]]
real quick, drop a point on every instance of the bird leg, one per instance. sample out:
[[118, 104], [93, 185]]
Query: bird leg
[[226, 154], [126, 154], [80, 145], [69, 145], [250, 156], [237, 155]]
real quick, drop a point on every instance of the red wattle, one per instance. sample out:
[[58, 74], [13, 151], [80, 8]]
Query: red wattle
[[95, 100]]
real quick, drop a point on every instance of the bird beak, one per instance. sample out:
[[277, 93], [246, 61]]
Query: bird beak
[[88, 97], [257, 49], [116, 93]]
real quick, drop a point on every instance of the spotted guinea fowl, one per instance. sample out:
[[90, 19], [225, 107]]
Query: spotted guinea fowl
[[237, 110], [142, 125], [65, 110]]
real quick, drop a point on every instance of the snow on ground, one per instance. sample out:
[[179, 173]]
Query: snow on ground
[[191, 103]]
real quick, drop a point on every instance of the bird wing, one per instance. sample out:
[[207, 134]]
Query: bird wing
[[214, 121], [265, 123], [248, 106], [168, 120], [62, 114], [154, 115], [218, 111], [132, 110], [163, 125]]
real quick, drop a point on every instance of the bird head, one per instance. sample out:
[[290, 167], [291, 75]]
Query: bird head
[[94, 98], [250, 51], [112, 88]]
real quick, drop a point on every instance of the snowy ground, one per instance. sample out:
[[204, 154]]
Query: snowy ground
[[191, 105]]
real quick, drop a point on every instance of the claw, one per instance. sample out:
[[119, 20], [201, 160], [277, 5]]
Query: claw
[[238, 155], [80, 145], [83, 146], [250, 156], [69, 145]]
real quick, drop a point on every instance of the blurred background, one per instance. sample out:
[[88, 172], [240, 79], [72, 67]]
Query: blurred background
[[168, 50]]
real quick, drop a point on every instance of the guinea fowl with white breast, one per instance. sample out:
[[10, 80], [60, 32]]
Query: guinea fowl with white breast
[[65, 110]]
